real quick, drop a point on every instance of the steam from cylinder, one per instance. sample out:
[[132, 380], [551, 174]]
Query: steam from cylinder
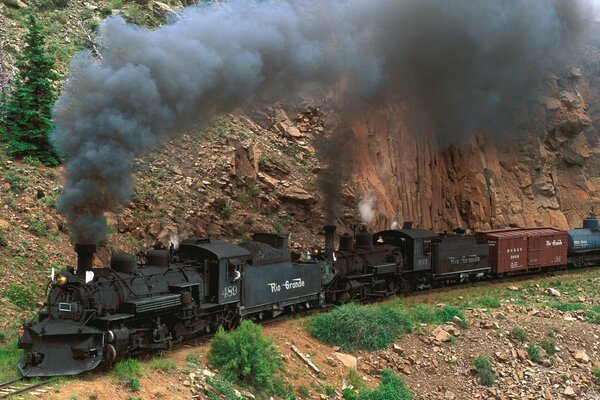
[[463, 64]]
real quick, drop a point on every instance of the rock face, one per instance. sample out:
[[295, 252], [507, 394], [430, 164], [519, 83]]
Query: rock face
[[545, 177]]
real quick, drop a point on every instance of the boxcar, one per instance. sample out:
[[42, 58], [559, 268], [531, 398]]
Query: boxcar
[[518, 250], [458, 257]]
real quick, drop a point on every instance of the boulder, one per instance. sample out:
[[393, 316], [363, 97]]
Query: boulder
[[443, 336], [553, 292], [346, 359], [581, 356]]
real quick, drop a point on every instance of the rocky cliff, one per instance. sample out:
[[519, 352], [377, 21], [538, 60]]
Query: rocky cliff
[[545, 174]]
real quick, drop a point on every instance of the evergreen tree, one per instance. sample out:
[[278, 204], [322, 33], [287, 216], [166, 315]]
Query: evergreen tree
[[27, 113]]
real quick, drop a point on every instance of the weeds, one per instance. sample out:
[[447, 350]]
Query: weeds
[[128, 369], [19, 296], [549, 347], [519, 334], [9, 356], [484, 372], [192, 360], [533, 352], [596, 373], [392, 387], [134, 384], [163, 364], [489, 301]]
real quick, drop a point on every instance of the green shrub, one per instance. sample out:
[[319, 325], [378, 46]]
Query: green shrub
[[392, 387], [489, 301], [304, 391], [352, 326], [128, 369], [519, 334], [134, 384], [163, 364], [485, 374], [2, 337], [246, 356], [533, 352], [328, 390], [549, 346], [597, 375], [19, 296]]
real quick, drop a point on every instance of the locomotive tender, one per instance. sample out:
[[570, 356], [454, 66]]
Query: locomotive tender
[[96, 316]]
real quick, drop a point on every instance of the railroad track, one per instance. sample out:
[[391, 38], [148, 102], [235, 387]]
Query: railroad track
[[20, 386]]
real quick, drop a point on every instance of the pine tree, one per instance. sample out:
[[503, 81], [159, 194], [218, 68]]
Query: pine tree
[[27, 113]]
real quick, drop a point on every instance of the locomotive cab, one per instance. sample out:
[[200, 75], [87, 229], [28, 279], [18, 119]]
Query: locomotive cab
[[414, 244], [220, 260]]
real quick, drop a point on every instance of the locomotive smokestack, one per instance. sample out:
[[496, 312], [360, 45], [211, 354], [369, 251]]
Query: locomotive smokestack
[[85, 257], [329, 239]]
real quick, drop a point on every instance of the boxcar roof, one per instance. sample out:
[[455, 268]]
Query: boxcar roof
[[519, 232]]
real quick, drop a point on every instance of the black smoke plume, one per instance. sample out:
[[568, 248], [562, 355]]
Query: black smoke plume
[[462, 63]]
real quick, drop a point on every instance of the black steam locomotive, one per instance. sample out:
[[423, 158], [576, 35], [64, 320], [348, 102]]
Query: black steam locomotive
[[96, 316]]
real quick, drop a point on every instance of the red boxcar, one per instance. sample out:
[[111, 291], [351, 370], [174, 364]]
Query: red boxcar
[[517, 250]]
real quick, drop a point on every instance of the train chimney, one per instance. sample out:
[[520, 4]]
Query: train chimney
[[85, 258], [329, 239]]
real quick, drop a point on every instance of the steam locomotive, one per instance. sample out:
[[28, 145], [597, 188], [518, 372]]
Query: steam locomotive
[[96, 316]]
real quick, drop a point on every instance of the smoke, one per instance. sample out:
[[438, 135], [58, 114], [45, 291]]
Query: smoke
[[463, 64], [366, 208]]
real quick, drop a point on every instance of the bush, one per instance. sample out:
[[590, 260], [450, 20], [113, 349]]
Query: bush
[[485, 374], [352, 326], [391, 387], [549, 346], [519, 334], [597, 375], [533, 352], [246, 356], [134, 384], [128, 369], [19, 296]]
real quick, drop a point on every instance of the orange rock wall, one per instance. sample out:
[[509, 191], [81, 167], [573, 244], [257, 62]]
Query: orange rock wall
[[549, 177]]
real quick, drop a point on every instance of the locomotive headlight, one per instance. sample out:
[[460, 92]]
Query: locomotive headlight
[[316, 251], [62, 279]]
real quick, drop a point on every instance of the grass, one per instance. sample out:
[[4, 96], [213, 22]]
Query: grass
[[19, 296], [373, 327], [519, 334], [570, 307], [485, 374], [192, 360], [128, 369], [352, 326], [596, 373], [392, 387], [489, 301], [9, 356], [163, 364]]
